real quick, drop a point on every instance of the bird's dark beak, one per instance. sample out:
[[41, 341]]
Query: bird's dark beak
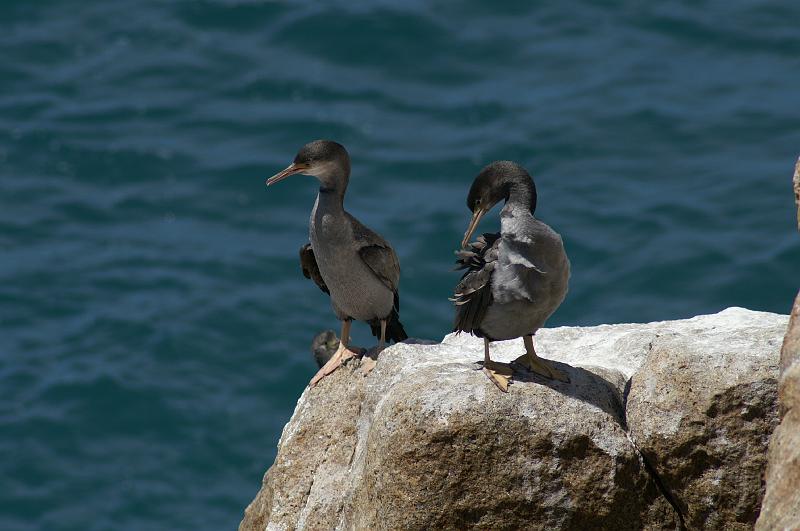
[[291, 169], [473, 224]]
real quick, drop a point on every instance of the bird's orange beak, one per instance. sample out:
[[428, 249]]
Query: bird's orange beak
[[291, 169], [473, 224]]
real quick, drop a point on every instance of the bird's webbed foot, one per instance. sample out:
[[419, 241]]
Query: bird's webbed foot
[[340, 357], [370, 360], [499, 374], [542, 367]]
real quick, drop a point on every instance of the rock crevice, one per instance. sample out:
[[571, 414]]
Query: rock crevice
[[662, 487]]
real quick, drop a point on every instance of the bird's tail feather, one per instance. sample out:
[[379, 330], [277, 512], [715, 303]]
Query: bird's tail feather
[[394, 329]]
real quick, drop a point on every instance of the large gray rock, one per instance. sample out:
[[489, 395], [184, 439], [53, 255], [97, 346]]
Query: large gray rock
[[702, 408], [426, 441], [781, 508]]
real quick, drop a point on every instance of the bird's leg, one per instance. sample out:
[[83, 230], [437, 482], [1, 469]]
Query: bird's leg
[[341, 355], [540, 366], [498, 373], [368, 363]]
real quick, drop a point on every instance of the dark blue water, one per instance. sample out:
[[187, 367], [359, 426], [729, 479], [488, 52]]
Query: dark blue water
[[154, 324]]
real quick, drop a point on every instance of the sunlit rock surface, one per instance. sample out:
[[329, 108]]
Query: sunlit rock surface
[[781, 508], [659, 422]]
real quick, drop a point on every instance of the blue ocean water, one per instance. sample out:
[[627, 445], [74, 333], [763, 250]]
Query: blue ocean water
[[154, 323]]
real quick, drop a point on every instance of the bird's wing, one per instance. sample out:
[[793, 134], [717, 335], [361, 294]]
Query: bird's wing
[[310, 268], [377, 254], [380, 258], [473, 294]]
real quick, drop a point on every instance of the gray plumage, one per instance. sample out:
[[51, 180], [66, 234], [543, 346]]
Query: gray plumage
[[514, 279], [359, 268], [353, 264]]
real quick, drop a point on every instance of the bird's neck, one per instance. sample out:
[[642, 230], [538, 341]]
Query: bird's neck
[[332, 186], [330, 200], [514, 218], [521, 196], [518, 210]]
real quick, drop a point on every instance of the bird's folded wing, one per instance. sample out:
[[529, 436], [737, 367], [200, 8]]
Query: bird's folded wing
[[377, 254], [473, 294], [383, 262], [310, 268]]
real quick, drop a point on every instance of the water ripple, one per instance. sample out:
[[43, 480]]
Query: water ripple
[[154, 324]]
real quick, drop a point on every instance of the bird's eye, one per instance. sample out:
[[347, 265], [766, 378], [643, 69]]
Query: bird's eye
[[478, 201]]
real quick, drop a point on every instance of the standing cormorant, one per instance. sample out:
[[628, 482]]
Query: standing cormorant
[[514, 279], [354, 265]]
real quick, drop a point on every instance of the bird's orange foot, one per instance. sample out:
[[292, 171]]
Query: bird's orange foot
[[545, 368], [370, 360], [499, 374], [342, 355]]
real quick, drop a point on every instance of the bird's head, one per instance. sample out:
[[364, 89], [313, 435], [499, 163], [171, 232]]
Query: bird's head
[[326, 160], [494, 184], [324, 346]]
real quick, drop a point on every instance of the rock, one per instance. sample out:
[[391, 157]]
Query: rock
[[701, 410], [426, 441], [796, 187], [790, 351], [781, 508]]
